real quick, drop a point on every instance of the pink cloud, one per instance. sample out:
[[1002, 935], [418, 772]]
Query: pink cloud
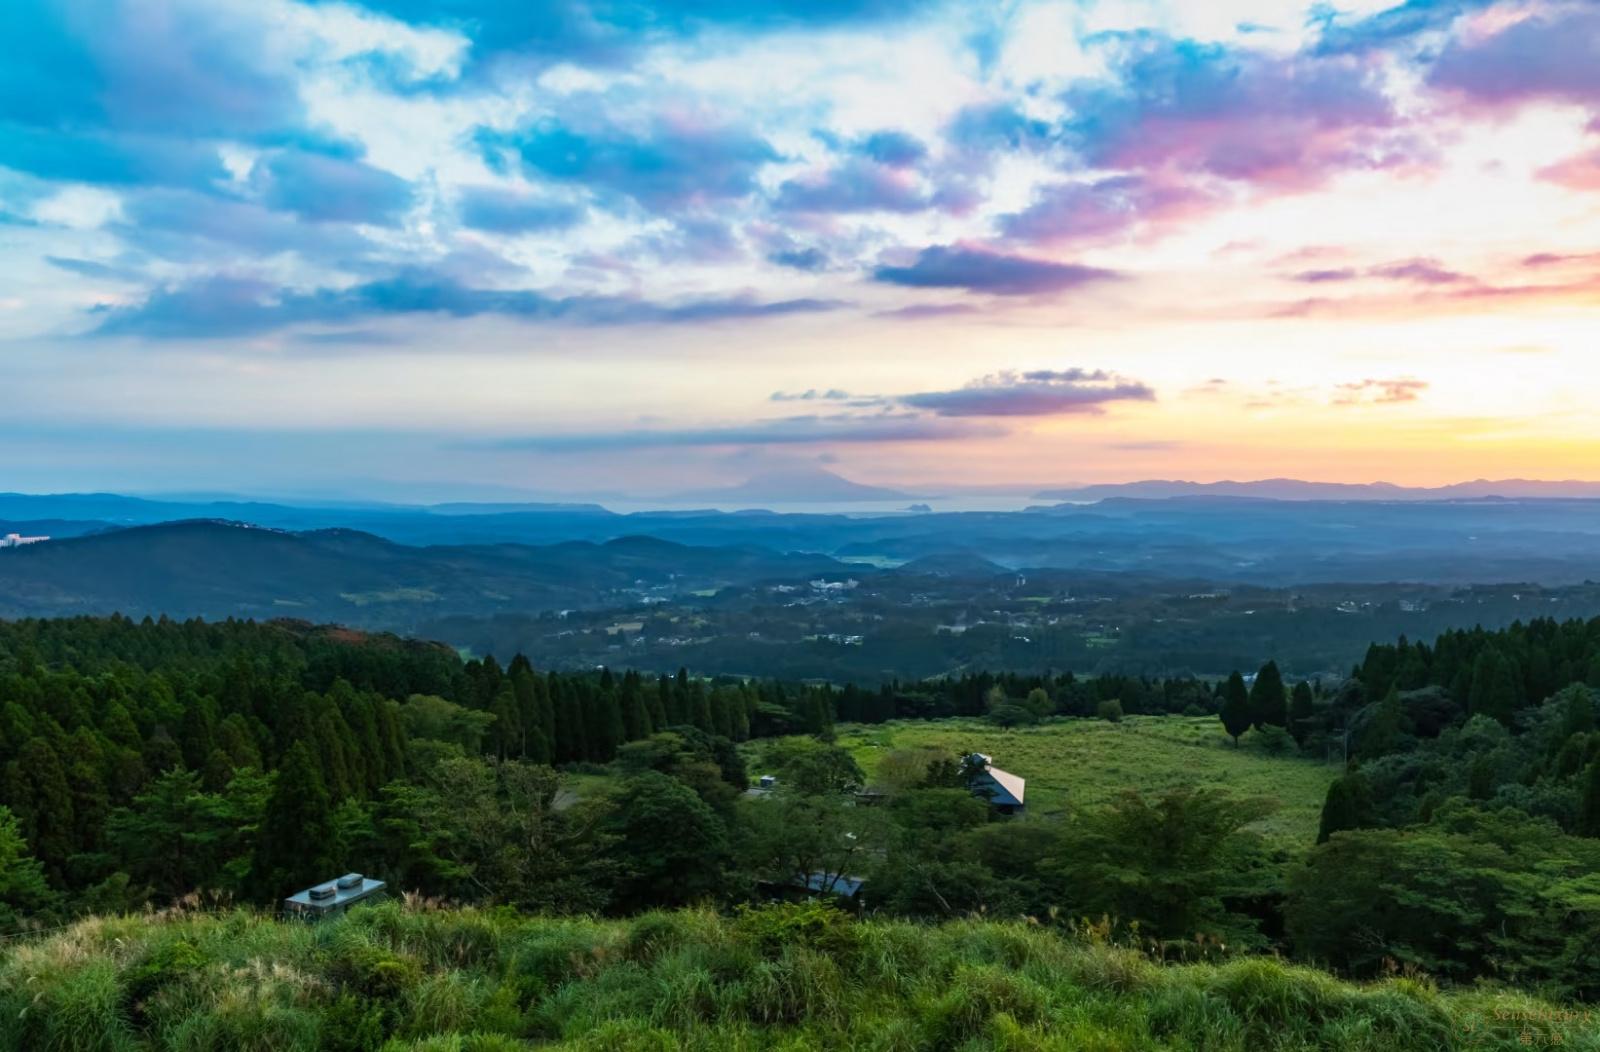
[[1581, 172]]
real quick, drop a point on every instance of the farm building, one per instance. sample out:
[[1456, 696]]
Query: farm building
[[1003, 790]]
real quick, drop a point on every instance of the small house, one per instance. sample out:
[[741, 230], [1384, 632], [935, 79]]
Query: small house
[[333, 898], [842, 885], [1003, 790], [765, 786]]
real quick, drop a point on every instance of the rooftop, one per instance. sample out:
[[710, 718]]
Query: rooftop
[[326, 896]]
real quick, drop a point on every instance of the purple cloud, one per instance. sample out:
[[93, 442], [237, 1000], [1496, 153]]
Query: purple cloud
[[980, 270], [1070, 212], [857, 185], [1546, 259], [923, 311], [1036, 393], [1553, 56], [1321, 277], [1279, 121], [1421, 271]]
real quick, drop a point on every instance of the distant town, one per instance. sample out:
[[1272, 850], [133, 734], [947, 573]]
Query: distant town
[[17, 540]]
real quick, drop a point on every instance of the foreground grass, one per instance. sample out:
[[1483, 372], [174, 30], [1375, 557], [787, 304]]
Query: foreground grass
[[1080, 762], [399, 980]]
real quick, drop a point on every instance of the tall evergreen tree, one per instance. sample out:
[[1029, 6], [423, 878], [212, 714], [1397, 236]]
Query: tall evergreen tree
[[296, 829], [1235, 713], [1494, 688], [1381, 735], [1589, 809], [1268, 699], [1302, 710]]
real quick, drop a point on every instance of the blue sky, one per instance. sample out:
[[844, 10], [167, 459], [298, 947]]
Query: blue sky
[[407, 248]]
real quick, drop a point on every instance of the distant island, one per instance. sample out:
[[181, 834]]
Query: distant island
[[793, 486]]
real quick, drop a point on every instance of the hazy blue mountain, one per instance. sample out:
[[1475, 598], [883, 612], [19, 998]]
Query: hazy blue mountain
[[1297, 489], [222, 569]]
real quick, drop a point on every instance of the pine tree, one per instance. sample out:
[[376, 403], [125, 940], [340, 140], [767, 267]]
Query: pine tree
[[296, 829], [1589, 812], [1382, 734], [1494, 688], [23, 890], [1268, 700], [1302, 710], [1235, 711], [38, 789], [171, 835], [635, 713]]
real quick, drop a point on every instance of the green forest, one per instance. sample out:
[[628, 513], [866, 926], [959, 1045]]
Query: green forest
[[186, 776]]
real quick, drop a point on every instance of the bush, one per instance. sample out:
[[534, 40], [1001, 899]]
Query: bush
[[1010, 714], [1109, 710], [1274, 740], [818, 925]]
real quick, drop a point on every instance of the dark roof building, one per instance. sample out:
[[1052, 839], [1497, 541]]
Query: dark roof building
[[333, 898], [822, 883]]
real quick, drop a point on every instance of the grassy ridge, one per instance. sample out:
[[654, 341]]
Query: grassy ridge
[[1075, 762], [794, 978]]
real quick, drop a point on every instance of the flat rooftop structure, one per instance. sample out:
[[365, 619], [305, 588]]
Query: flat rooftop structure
[[333, 898]]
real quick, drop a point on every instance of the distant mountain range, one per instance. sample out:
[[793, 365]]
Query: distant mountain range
[[1298, 489], [224, 569]]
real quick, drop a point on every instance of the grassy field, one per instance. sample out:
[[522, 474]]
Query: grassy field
[[391, 979], [1078, 762]]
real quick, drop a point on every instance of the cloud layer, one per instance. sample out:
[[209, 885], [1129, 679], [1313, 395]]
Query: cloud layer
[[722, 200]]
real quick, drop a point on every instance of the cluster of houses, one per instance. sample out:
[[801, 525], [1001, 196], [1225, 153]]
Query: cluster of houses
[[17, 540]]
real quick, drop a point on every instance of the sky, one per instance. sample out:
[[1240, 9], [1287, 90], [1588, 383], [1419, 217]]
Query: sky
[[444, 249]]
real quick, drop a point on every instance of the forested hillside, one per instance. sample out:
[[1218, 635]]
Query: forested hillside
[[147, 762]]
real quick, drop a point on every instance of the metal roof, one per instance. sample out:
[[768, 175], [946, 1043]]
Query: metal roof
[[841, 884], [1009, 787], [342, 895]]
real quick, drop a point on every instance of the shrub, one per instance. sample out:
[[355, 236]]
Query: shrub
[[1274, 740], [1110, 710], [169, 962], [770, 929]]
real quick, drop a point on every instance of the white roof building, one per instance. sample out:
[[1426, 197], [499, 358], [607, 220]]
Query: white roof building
[[1004, 791]]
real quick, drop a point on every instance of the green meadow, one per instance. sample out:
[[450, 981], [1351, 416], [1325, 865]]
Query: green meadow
[[1071, 763]]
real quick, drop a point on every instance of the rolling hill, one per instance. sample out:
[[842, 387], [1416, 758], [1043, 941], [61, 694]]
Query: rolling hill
[[222, 569]]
